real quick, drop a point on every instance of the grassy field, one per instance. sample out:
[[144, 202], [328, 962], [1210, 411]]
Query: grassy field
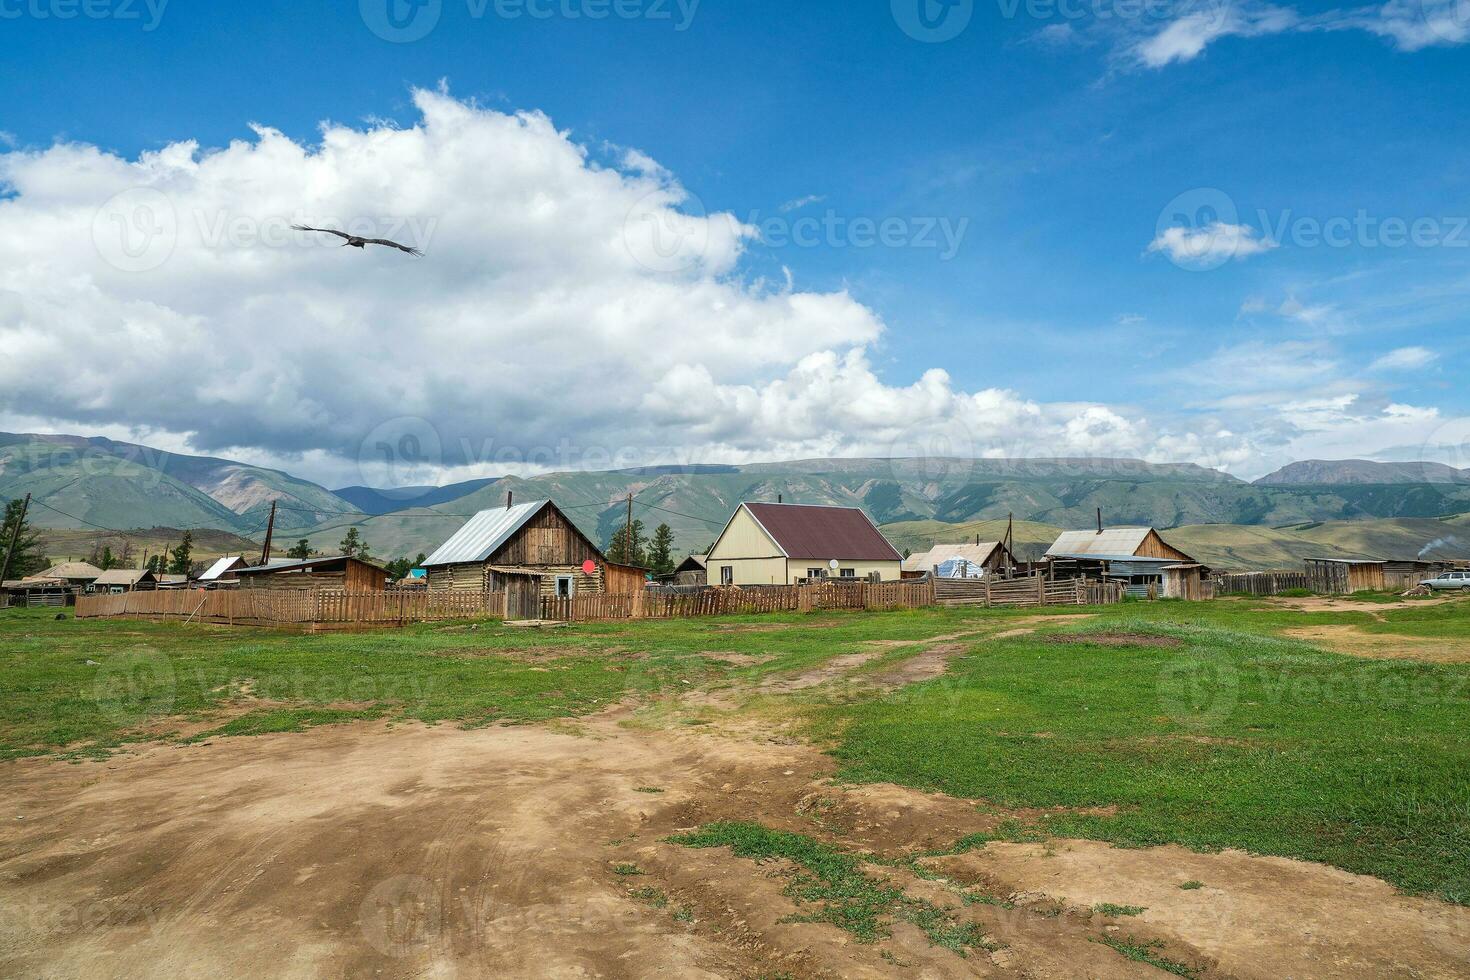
[[1197, 724]]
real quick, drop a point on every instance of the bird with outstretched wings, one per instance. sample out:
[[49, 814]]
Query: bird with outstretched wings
[[357, 241]]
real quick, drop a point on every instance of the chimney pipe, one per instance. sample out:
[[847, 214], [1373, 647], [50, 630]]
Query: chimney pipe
[[780, 498], [1099, 520], [509, 496]]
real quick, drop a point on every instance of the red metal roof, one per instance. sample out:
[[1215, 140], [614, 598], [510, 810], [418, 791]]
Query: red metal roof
[[805, 531]]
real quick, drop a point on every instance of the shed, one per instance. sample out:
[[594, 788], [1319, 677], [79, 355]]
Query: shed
[[1138, 557], [1344, 576], [497, 549], [35, 590], [988, 556], [118, 580], [782, 544], [76, 574], [341, 572], [223, 570], [690, 571]]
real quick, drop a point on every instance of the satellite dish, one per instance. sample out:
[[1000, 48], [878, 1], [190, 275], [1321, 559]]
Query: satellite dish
[[589, 567], [833, 564]]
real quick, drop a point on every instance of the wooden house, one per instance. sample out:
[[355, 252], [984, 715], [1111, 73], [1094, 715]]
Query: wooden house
[[221, 574], [985, 557], [690, 571], [119, 580], [338, 573], [1344, 576], [1138, 557], [528, 551], [783, 544]]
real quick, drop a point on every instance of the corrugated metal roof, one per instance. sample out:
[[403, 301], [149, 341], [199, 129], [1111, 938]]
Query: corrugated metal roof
[[976, 554], [808, 531], [483, 533], [295, 563], [1113, 542], [220, 566]]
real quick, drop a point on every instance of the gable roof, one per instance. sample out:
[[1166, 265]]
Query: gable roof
[[809, 531], [482, 535], [1112, 543], [124, 576], [977, 554], [71, 569]]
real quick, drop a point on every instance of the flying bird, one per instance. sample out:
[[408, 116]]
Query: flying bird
[[357, 242]]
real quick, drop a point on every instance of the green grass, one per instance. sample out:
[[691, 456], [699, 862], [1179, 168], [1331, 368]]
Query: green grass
[[627, 870], [88, 686], [834, 881], [1192, 885], [1146, 951], [1116, 911], [1235, 738]]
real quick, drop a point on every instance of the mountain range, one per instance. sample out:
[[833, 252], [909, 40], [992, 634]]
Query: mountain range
[[96, 483]]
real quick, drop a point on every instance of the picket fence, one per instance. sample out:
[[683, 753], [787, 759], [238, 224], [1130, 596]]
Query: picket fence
[[1033, 590], [327, 609]]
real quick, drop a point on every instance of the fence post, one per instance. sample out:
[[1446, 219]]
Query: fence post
[[1040, 591]]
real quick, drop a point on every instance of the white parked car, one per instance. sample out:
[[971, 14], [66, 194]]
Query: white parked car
[[1449, 580]]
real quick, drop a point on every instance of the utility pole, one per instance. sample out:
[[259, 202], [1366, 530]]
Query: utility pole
[[14, 537], [270, 526], [1010, 543], [628, 534]]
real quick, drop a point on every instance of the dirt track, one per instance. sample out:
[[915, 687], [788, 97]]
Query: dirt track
[[439, 852]]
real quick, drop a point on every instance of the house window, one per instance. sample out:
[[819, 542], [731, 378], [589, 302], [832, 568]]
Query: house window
[[565, 587], [848, 573], [727, 574], [815, 572]]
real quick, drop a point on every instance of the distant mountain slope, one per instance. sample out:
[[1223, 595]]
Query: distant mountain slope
[[1323, 472], [1056, 493], [371, 500], [125, 485]]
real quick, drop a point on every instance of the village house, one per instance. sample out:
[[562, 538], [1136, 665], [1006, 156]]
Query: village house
[[983, 558], [221, 573], [784, 544], [115, 581], [339, 573], [691, 571], [1138, 557], [529, 551], [1344, 576]]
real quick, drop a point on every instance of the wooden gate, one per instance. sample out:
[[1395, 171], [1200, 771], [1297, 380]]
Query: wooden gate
[[522, 597]]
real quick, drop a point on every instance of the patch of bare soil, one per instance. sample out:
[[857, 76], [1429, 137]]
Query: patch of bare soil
[[1349, 604], [1383, 646], [413, 851], [1116, 639]]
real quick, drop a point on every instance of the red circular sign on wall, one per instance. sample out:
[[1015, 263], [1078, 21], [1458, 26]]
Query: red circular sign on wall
[[589, 567]]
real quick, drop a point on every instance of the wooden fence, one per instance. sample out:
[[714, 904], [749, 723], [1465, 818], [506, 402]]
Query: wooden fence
[[1035, 590], [1260, 583], [729, 601], [326, 609]]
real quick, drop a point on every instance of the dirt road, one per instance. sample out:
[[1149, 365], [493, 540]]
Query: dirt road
[[437, 852]]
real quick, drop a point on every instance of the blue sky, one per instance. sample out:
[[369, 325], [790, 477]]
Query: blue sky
[[1049, 145]]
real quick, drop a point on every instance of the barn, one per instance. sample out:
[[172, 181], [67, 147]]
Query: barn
[[986, 557], [783, 544], [1138, 557], [528, 551], [1344, 576], [340, 573]]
